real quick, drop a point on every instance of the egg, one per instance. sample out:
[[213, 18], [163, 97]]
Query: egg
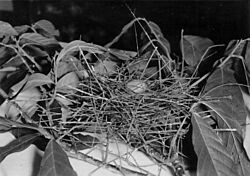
[[137, 86]]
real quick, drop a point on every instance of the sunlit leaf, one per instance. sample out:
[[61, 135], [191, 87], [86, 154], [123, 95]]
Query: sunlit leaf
[[6, 29], [21, 29], [46, 28], [105, 67], [18, 145], [70, 64], [67, 82], [76, 46], [35, 38], [213, 157], [194, 48], [55, 162], [36, 80]]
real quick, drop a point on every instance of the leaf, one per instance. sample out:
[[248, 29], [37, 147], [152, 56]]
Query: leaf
[[228, 108], [70, 64], [35, 38], [160, 37], [235, 47], [18, 145], [123, 54], [46, 28], [246, 142], [213, 157], [6, 29], [67, 83], [36, 80], [6, 54], [105, 67], [55, 162], [15, 61], [194, 48], [247, 57], [21, 29]]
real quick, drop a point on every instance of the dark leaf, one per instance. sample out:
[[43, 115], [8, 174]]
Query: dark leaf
[[12, 79], [18, 145], [235, 47], [160, 37], [6, 54], [15, 61], [55, 162], [35, 51], [194, 48], [228, 108], [41, 142], [213, 157]]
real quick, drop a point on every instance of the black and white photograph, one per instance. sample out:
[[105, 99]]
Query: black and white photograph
[[124, 87]]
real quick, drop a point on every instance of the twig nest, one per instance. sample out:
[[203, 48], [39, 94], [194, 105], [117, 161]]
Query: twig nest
[[137, 86]]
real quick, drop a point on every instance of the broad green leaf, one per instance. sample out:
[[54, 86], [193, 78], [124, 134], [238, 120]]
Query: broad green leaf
[[160, 37], [67, 83], [235, 47], [70, 64], [194, 47], [46, 28], [76, 46], [21, 29], [246, 142], [106, 67], [55, 162], [35, 38], [6, 54], [213, 157], [247, 57], [18, 145], [35, 51], [15, 61], [36, 80], [6, 29], [228, 108]]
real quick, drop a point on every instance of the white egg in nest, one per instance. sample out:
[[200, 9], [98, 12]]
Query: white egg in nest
[[137, 86]]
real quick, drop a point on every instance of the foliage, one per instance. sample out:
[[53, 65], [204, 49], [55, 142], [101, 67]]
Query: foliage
[[147, 98]]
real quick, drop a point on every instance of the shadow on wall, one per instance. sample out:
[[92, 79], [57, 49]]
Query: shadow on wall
[[100, 21]]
